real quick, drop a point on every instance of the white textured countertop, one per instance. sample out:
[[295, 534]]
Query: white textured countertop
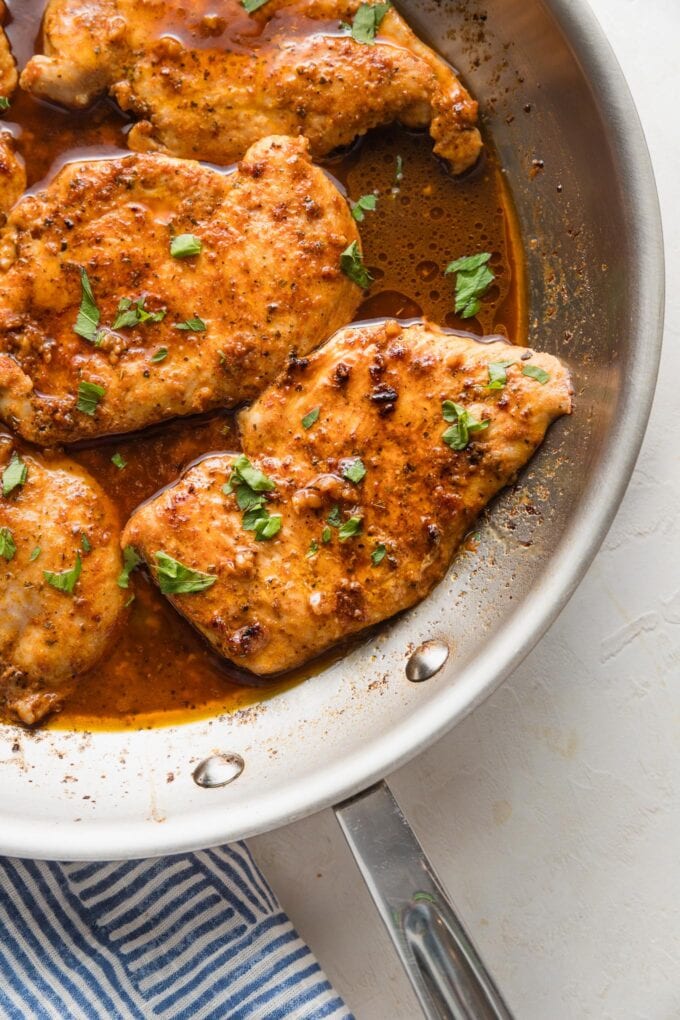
[[552, 814]]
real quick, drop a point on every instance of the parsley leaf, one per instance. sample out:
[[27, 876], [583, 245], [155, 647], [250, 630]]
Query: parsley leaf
[[350, 528], [4, 103], [458, 436], [249, 484], [267, 527], [243, 473], [311, 417], [253, 5], [536, 372], [352, 265], [366, 22], [185, 245], [133, 313], [379, 554], [7, 545], [118, 460], [473, 278], [14, 475], [65, 580], [160, 355], [89, 395], [87, 323], [174, 578], [334, 518], [85, 542], [497, 374], [194, 325], [326, 536], [34, 555], [364, 204], [354, 470], [313, 549], [131, 560]]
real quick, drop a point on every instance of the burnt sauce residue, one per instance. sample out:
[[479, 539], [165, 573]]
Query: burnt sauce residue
[[160, 670]]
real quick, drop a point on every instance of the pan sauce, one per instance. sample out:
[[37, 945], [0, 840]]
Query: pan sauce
[[160, 671]]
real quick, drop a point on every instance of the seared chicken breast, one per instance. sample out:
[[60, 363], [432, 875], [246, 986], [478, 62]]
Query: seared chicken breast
[[139, 288], [362, 469], [12, 175], [208, 79], [60, 559], [8, 68]]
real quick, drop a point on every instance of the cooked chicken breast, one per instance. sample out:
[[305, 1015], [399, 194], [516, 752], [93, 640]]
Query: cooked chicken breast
[[377, 454], [8, 68], [208, 79], [12, 177], [60, 560], [195, 285]]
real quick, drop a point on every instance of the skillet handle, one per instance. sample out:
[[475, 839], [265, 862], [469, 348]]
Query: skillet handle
[[442, 964]]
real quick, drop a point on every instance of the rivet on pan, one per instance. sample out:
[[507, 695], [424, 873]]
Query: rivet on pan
[[427, 660], [218, 770]]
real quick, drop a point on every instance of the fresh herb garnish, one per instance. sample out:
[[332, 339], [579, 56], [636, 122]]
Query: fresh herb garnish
[[366, 22], [352, 265], [174, 578], [131, 560], [133, 313], [253, 5], [458, 436], [118, 460], [249, 485], [128, 602], [160, 355], [87, 323], [311, 417], [313, 549], [85, 542], [34, 555], [185, 245], [497, 374], [89, 395], [266, 527], [364, 204], [473, 278], [379, 554], [4, 103], [326, 535], [193, 325], [7, 545], [14, 475], [65, 580], [354, 471], [350, 528], [536, 372], [334, 518], [245, 476]]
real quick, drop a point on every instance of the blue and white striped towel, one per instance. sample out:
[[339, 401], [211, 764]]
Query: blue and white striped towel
[[199, 936]]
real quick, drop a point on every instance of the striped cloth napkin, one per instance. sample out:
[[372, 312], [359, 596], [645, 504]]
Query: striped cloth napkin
[[199, 936]]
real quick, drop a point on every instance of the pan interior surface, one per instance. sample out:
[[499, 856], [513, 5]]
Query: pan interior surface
[[559, 112]]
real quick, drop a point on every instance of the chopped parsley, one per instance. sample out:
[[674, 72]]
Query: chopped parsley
[[366, 22], [350, 528], [497, 374], [34, 555], [14, 475], [7, 544], [131, 560], [313, 549], [379, 554], [4, 103], [311, 417], [185, 245], [458, 435], [352, 265], [85, 542], [326, 535], [536, 372], [89, 395], [249, 486], [119, 462], [473, 278], [65, 580], [364, 204], [128, 602], [193, 325], [253, 5], [87, 323], [354, 470], [133, 313], [334, 518], [160, 355], [174, 578]]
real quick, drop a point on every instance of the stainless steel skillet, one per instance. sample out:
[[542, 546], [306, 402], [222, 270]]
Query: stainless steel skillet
[[570, 140]]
